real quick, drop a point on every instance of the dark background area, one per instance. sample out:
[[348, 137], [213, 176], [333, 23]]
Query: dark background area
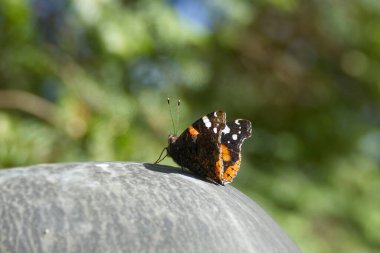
[[88, 80]]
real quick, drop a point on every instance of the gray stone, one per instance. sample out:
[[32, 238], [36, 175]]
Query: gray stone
[[128, 207]]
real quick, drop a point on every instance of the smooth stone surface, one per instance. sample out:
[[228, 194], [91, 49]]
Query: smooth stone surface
[[129, 207]]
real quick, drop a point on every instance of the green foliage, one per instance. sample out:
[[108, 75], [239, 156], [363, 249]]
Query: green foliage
[[88, 80]]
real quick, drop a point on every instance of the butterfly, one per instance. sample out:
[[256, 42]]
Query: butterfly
[[211, 147]]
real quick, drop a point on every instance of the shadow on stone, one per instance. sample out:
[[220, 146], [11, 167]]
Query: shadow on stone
[[175, 170]]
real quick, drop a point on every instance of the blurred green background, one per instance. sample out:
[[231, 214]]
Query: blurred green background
[[88, 80]]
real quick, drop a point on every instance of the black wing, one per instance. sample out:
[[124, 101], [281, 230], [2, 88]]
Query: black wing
[[198, 147], [212, 123], [233, 136]]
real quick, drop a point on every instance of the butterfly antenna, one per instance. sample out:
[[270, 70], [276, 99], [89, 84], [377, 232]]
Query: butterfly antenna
[[171, 116], [178, 105]]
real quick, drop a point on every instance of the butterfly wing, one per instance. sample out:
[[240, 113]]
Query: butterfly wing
[[208, 153], [233, 136], [197, 148]]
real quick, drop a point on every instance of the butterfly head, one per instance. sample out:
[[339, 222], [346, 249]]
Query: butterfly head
[[172, 138]]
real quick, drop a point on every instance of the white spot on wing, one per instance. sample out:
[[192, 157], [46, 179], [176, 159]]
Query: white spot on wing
[[234, 137], [215, 115], [215, 130], [206, 121], [237, 122], [226, 130]]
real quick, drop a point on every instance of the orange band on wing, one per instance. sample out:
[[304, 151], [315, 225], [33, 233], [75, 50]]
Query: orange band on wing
[[217, 168], [231, 171], [225, 153], [217, 175], [192, 131]]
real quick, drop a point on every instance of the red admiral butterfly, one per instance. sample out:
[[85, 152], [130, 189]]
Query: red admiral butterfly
[[211, 147]]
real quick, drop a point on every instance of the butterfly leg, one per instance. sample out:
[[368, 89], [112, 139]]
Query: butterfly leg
[[161, 159]]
